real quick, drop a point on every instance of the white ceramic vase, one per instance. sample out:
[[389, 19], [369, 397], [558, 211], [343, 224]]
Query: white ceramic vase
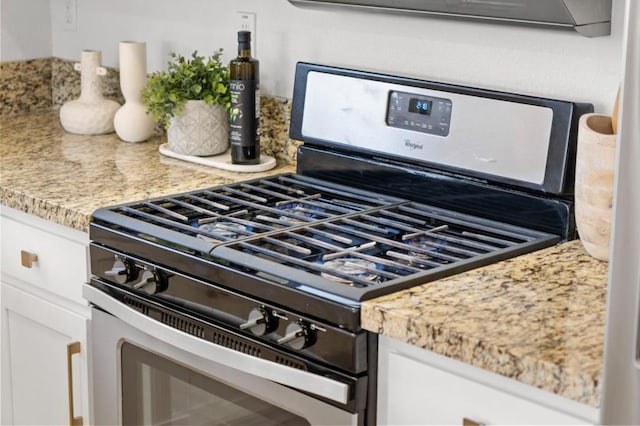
[[91, 113], [132, 123], [595, 164], [200, 130]]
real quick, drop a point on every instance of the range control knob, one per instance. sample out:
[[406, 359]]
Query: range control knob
[[122, 271], [299, 336], [151, 281], [260, 322]]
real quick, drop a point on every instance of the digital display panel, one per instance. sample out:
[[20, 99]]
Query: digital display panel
[[420, 106], [419, 113]]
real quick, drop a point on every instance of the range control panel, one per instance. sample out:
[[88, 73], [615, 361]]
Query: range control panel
[[480, 133], [421, 113]]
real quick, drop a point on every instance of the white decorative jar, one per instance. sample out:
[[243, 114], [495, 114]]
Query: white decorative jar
[[91, 113], [595, 163], [132, 122], [201, 130]]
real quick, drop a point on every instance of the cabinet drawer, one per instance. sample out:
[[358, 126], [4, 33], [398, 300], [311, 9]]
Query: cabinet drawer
[[60, 263], [416, 386], [439, 397]]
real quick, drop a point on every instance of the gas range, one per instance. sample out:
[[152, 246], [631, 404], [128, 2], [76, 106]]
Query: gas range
[[303, 239], [399, 182]]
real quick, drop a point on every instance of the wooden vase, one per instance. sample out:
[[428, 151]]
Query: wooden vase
[[595, 164]]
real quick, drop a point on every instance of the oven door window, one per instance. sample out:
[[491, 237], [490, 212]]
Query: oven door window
[[158, 391]]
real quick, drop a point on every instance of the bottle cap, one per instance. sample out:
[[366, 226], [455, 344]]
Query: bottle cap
[[244, 36]]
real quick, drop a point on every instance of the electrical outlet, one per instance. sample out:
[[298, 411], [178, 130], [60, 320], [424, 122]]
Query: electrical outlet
[[70, 15], [246, 21]]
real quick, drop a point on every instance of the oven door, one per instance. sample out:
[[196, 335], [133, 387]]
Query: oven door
[[144, 372]]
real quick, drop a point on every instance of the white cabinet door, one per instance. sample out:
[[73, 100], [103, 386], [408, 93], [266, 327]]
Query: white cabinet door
[[40, 371], [419, 387]]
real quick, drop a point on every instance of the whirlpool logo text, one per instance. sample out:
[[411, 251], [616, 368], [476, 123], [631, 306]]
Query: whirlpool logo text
[[412, 145]]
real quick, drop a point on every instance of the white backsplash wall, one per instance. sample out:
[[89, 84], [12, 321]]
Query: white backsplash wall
[[26, 29], [551, 63]]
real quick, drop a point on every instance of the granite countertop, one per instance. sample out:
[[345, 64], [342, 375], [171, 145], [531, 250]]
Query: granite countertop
[[63, 177], [537, 318]]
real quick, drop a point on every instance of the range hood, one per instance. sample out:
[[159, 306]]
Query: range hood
[[591, 18]]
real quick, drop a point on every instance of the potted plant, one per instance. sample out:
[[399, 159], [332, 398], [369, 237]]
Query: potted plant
[[191, 99]]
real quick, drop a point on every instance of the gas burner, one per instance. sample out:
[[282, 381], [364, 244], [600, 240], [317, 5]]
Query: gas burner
[[223, 229], [424, 251], [300, 210], [356, 268]]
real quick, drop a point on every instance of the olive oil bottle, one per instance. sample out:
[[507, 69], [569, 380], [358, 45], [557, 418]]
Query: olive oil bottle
[[244, 116]]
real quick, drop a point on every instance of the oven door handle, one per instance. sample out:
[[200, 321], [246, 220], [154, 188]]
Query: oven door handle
[[292, 377]]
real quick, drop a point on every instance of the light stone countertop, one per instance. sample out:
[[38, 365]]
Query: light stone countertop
[[537, 318], [63, 177]]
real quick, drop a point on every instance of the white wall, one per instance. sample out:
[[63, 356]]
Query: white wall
[[26, 29], [551, 63]]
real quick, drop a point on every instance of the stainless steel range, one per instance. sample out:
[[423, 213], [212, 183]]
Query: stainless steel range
[[399, 182]]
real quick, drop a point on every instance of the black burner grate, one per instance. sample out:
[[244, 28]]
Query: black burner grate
[[386, 244], [231, 212], [299, 232]]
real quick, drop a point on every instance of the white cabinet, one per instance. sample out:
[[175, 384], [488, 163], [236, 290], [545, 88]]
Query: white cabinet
[[44, 321], [416, 386], [40, 345]]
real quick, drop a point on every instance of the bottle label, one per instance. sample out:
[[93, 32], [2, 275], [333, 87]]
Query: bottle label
[[244, 116]]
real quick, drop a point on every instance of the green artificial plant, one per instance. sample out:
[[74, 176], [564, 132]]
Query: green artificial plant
[[196, 78]]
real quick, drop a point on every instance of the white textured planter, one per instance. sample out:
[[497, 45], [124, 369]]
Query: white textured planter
[[131, 122], [595, 163], [200, 130]]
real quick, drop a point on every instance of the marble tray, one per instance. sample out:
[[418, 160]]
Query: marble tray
[[222, 161]]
